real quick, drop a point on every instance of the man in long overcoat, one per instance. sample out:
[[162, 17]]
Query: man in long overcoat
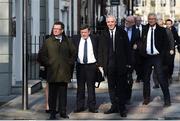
[[58, 55]]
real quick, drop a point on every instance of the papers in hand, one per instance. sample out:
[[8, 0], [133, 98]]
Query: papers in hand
[[101, 70]]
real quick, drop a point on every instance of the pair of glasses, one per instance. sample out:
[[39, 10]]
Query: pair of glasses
[[128, 21], [57, 29]]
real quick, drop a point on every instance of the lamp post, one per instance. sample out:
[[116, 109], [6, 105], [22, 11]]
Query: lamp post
[[24, 56], [130, 6]]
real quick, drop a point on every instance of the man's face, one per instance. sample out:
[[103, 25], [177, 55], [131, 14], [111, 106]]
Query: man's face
[[152, 20], [57, 30], [129, 22], [168, 24], [111, 22], [138, 20], [85, 33]]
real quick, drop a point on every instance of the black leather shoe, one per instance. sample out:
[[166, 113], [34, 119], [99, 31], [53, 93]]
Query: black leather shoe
[[47, 111], [64, 116], [111, 111], [79, 110], [167, 104], [155, 86], [146, 101], [123, 113], [93, 110], [52, 117]]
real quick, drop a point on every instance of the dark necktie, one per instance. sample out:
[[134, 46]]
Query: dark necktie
[[112, 41], [139, 32], [152, 51], [85, 53]]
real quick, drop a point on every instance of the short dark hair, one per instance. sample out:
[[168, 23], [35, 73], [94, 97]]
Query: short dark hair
[[59, 23], [169, 20], [85, 27]]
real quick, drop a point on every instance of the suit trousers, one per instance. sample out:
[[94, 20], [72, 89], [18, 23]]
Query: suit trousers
[[86, 75], [170, 65], [117, 86], [58, 97], [155, 60]]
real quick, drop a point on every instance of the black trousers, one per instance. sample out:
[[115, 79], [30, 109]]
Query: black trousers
[[117, 86], [58, 97], [170, 65], [157, 63], [86, 75], [139, 66]]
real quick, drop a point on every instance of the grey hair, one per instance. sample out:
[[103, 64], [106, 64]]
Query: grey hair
[[111, 16], [152, 14]]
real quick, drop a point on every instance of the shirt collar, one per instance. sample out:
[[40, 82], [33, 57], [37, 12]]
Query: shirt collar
[[84, 39], [154, 27], [112, 29], [58, 37], [128, 29]]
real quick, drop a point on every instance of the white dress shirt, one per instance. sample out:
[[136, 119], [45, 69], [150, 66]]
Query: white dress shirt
[[140, 29], [90, 52], [114, 30], [148, 48]]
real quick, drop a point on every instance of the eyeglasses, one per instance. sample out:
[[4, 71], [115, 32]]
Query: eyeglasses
[[57, 29], [128, 21]]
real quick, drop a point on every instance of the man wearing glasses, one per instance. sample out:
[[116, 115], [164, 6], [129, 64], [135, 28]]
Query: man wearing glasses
[[58, 55]]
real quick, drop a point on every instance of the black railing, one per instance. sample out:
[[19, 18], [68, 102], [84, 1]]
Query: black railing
[[34, 44]]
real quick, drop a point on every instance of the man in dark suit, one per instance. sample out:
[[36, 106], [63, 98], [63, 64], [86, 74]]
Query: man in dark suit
[[153, 46], [86, 67], [58, 55], [169, 25], [139, 59], [133, 37], [113, 58]]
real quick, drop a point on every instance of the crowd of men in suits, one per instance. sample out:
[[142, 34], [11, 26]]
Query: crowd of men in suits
[[117, 51]]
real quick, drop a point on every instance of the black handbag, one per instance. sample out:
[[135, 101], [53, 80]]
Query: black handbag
[[99, 78], [43, 73]]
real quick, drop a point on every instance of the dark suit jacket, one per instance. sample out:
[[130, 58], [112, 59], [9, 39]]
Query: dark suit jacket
[[135, 37], [161, 41], [94, 40], [175, 35], [121, 50]]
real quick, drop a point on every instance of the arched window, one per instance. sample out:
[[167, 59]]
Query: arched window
[[163, 3], [173, 3], [137, 3], [144, 3]]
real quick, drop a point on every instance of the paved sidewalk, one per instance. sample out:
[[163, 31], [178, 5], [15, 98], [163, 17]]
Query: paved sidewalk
[[136, 111]]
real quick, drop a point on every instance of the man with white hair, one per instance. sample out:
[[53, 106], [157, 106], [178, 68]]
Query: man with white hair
[[153, 47], [113, 58]]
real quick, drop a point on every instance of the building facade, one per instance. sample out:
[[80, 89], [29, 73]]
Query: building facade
[[163, 8], [6, 48], [41, 14]]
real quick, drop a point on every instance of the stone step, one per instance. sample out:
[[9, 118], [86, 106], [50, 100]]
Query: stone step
[[33, 86], [73, 84]]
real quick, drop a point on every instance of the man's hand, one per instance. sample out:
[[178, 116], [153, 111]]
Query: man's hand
[[128, 66], [171, 52], [101, 70], [42, 68], [135, 46]]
